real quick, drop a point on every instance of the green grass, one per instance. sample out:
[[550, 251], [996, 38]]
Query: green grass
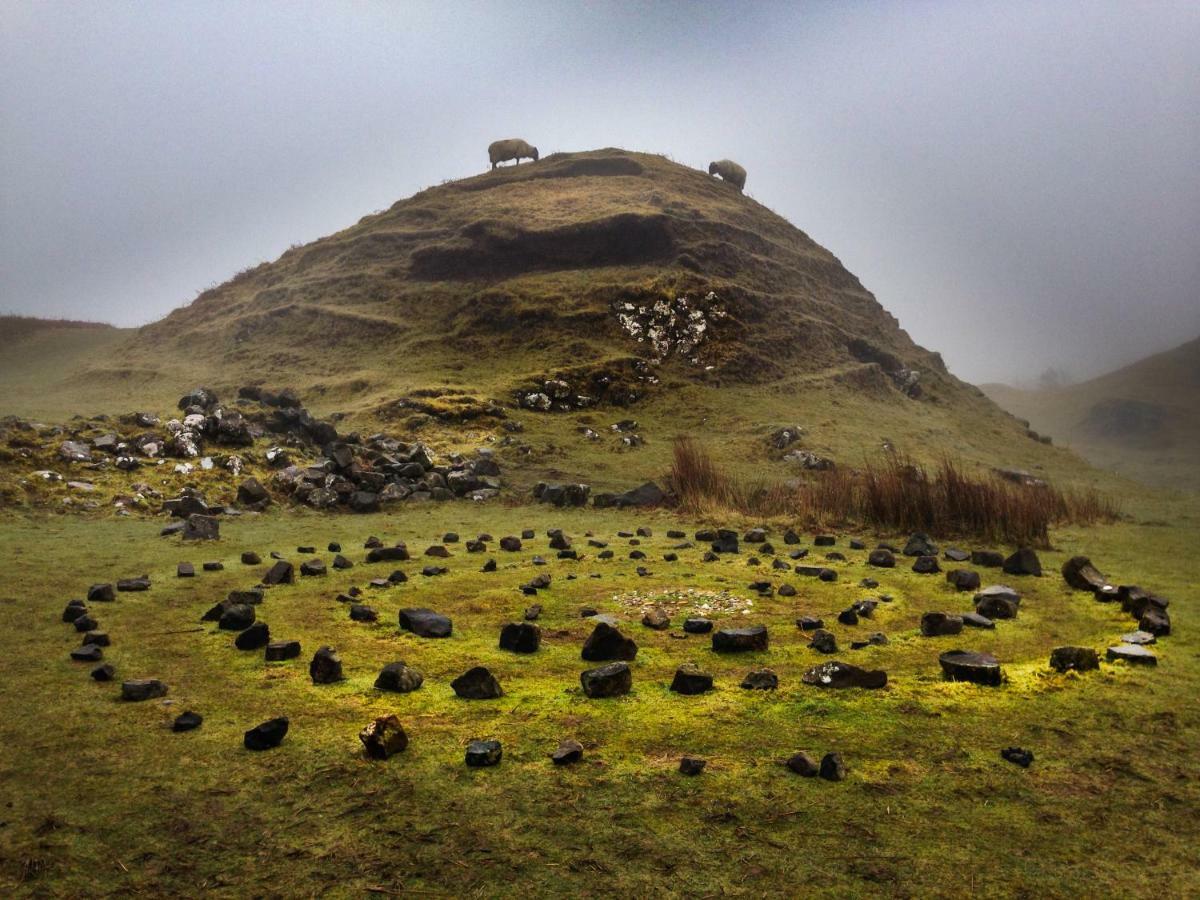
[[98, 797]]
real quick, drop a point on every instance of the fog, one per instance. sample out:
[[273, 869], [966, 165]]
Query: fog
[[1019, 183]]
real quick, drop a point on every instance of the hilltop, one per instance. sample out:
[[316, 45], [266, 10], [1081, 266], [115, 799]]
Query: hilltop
[[1142, 420], [569, 295]]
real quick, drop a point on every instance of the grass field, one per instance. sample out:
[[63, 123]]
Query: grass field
[[99, 797]]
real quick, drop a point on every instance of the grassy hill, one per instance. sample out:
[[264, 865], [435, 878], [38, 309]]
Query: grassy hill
[[1142, 421], [436, 316]]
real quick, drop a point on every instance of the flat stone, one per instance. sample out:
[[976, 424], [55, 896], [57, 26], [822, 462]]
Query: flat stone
[[425, 623], [87, 653], [610, 680], [140, 689], [737, 640], [837, 674], [399, 553], [141, 583], [1134, 654], [267, 735], [975, 620], [312, 567], [955, 555], [278, 651], [972, 666], [1139, 638], [185, 570], [697, 625]]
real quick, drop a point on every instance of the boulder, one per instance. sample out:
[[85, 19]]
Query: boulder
[[832, 767], [278, 651], [187, 721], [975, 620], [760, 680], [87, 653], [648, 494], [963, 579], [837, 674], [940, 624], [1080, 659], [972, 666], [267, 735], [919, 544], [610, 680], [1080, 574], [140, 689], [236, 617], [101, 593], [251, 493], [736, 640], [185, 570], [697, 625], [882, 559], [1017, 756], [325, 667], [477, 683], [383, 737], [1023, 562], [399, 553], [607, 642], [926, 565], [823, 641], [425, 623], [399, 678], [989, 559], [280, 573], [255, 637], [997, 602], [562, 494], [250, 558], [312, 567], [201, 528], [690, 679], [520, 637], [1155, 621], [481, 754], [141, 583], [360, 612]]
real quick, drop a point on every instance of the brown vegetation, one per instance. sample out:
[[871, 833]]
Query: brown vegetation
[[893, 494]]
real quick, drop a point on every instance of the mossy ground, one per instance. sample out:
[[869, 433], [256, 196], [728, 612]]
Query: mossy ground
[[98, 797]]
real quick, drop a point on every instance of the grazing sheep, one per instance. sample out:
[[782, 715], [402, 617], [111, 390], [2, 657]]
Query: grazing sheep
[[729, 171], [513, 148]]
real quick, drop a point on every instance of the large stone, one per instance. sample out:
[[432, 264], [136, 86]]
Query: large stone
[[972, 666], [997, 602], [1023, 562], [477, 683], [608, 642], [325, 667], [255, 637], [312, 567], [399, 678], [919, 544], [278, 651], [267, 735], [481, 754], [760, 680], [236, 617], [1081, 659], [1080, 574], [690, 679], [823, 641], [251, 493], [736, 640], [963, 579], [926, 565], [1134, 654], [568, 751], [697, 625], [140, 689], [832, 767], [399, 553], [425, 623], [280, 573], [882, 559], [520, 637], [383, 737], [837, 674], [648, 494], [201, 528], [611, 680], [187, 721], [940, 624], [1155, 621], [990, 559]]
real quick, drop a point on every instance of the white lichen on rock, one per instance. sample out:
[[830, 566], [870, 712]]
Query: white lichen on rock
[[676, 326]]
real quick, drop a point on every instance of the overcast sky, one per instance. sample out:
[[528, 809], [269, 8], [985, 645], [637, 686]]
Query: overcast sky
[[1019, 183]]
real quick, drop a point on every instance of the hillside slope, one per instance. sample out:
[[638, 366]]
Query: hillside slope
[[1142, 421], [572, 293]]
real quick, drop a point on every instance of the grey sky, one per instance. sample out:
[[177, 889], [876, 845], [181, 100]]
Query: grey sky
[[1019, 183]]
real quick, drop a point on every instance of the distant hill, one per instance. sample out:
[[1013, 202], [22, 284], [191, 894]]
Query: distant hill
[[1142, 421], [567, 295]]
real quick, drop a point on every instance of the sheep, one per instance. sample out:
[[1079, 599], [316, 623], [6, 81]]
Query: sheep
[[729, 171], [513, 148]]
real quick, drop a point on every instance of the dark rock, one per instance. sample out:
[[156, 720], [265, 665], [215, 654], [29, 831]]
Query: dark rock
[[1155, 621], [104, 672], [848, 616], [997, 602], [280, 573], [278, 651], [803, 764], [823, 641], [882, 559], [827, 575], [1134, 654], [824, 540], [140, 689], [726, 542], [1023, 562], [926, 565], [255, 637], [697, 625], [510, 544], [940, 624], [74, 610], [990, 559], [236, 617], [963, 579], [364, 502], [809, 623], [610, 680], [520, 637], [735, 640], [533, 612], [185, 570], [1022, 758], [760, 680], [832, 767], [608, 642], [692, 765], [787, 590], [1081, 659], [214, 566], [837, 674], [312, 567], [425, 623], [919, 544], [325, 667], [201, 528], [267, 735], [657, 619], [87, 653], [399, 678], [251, 493], [101, 593], [383, 737], [481, 754], [975, 620], [250, 558], [99, 638], [341, 563], [477, 683], [1080, 574], [972, 666], [648, 494], [399, 553], [569, 751], [360, 612], [85, 623], [187, 721], [141, 583], [689, 679], [955, 555]]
